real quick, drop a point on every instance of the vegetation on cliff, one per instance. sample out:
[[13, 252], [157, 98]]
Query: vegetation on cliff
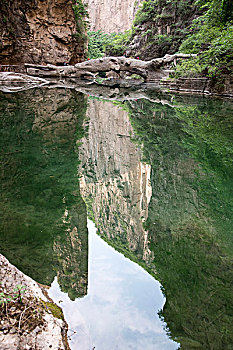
[[165, 27], [212, 40]]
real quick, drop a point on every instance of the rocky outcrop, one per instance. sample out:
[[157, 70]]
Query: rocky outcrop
[[39, 31], [160, 27], [149, 71], [201, 85], [111, 15], [20, 329]]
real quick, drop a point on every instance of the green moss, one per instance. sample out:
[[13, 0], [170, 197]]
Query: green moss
[[54, 309]]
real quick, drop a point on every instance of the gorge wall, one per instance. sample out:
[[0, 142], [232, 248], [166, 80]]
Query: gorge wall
[[111, 16], [37, 31]]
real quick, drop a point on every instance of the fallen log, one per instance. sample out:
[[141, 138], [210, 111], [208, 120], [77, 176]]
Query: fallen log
[[148, 70]]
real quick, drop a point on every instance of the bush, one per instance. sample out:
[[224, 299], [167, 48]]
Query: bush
[[96, 41], [117, 43]]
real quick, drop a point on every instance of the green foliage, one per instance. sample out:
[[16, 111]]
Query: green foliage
[[96, 43], [16, 295], [19, 292], [117, 43], [217, 12], [81, 17], [100, 44], [146, 12], [216, 52], [212, 40]]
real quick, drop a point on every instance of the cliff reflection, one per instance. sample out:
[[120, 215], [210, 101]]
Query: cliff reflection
[[173, 215], [43, 226], [115, 184], [189, 147]]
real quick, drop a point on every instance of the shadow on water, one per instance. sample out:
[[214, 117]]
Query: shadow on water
[[43, 228]]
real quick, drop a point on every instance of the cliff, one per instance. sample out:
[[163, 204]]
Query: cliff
[[160, 26], [38, 31], [111, 16], [115, 184]]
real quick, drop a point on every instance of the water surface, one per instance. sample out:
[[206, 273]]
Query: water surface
[[120, 310], [155, 176]]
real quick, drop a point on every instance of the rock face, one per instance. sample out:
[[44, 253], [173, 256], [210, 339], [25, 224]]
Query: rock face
[[50, 335], [38, 31], [160, 27], [111, 15]]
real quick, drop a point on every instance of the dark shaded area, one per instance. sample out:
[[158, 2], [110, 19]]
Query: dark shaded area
[[43, 217]]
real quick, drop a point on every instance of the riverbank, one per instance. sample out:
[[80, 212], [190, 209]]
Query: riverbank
[[29, 319]]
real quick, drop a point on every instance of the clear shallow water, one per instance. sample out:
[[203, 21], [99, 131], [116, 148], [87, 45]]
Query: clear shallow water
[[120, 308]]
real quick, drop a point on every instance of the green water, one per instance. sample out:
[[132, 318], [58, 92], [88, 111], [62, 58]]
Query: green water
[[43, 217], [186, 142], [190, 219]]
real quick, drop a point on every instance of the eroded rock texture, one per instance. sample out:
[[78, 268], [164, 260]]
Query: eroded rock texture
[[50, 334], [39, 31], [160, 28]]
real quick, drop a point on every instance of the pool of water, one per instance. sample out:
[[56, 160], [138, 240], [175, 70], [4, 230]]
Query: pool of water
[[153, 171]]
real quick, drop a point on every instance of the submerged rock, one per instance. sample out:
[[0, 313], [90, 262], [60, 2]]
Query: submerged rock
[[28, 318]]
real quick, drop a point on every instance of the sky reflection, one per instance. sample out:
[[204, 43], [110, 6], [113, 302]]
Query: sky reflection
[[120, 310]]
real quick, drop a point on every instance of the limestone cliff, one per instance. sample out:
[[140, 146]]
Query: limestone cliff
[[39, 31], [111, 16]]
